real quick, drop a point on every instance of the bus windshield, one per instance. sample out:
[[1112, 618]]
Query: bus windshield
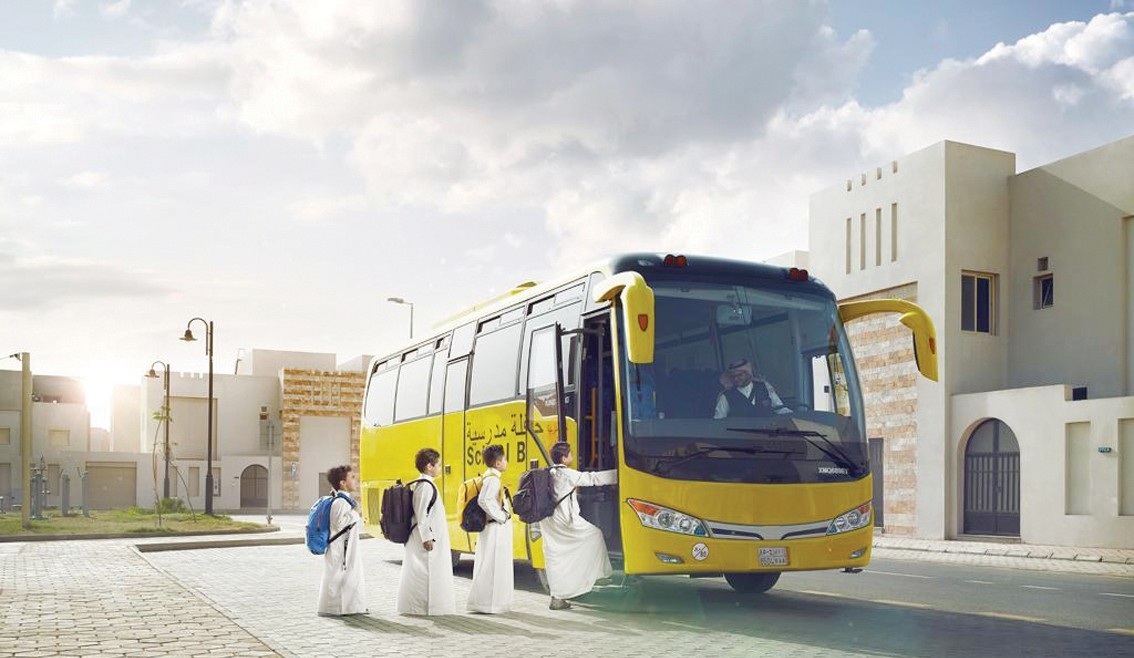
[[748, 384]]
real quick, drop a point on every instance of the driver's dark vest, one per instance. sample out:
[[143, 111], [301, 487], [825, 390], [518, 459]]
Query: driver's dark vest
[[760, 404]]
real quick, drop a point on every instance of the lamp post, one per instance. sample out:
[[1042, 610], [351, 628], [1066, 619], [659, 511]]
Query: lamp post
[[165, 417], [399, 300], [25, 438], [209, 459]]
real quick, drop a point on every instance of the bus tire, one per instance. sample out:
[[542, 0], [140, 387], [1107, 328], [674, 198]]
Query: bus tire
[[455, 557], [541, 574], [752, 583]]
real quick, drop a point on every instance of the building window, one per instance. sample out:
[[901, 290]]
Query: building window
[[978, 302], [5, 436], [1043, 291], [59, 438], [878, 236], [850, 230], [894, 228], [1041, 264], [862, 242]]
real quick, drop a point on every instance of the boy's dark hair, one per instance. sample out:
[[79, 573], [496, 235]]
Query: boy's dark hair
[[425, 457], [492, 454], [337, 474], [559, 452]]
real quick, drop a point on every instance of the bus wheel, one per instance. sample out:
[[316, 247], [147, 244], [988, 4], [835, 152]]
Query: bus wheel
[[455, 557], [542, 575], [752, 583]]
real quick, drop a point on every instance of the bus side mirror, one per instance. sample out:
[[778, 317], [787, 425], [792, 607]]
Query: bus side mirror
[[637, 302], [913, 316]]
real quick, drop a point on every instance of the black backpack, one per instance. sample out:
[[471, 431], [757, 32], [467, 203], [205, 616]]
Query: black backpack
[[397, 510], [473, 516], [535, 498]]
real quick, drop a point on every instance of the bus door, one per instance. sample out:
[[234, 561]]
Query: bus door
[[597, 448], [453, 450]]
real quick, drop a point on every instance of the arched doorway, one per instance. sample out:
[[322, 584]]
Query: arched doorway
[[254, 487], [992, 481]]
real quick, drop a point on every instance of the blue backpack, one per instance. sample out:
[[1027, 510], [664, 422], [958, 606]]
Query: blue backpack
[[319, 524]]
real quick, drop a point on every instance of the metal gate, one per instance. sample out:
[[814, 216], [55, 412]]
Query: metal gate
[[992, 481], [254, 487]]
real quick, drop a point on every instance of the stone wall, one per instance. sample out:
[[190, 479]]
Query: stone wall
[[883, 350], [316, 393]]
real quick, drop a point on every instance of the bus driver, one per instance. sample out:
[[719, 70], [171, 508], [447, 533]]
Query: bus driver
[[746, 393]]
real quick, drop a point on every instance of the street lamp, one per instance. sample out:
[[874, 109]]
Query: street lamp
[[165, 417], [25, 437], [399, 300], [209, 351]]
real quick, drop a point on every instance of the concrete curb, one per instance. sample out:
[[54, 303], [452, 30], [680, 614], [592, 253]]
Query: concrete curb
[[139, 535], [1018, 551], [224, 543]]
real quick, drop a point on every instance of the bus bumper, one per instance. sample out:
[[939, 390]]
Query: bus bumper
[[661, 552]]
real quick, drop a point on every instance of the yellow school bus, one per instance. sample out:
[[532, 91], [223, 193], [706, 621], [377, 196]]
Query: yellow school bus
[[623, 360]]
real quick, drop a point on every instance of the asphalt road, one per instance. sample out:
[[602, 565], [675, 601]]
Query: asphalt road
[[909, 608], [902, 608], [1072, 600]]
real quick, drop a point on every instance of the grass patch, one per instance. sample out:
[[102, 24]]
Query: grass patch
[[114, 522]]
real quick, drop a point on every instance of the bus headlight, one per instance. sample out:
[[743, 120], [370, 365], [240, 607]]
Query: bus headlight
[[663, 518], [858, 517]]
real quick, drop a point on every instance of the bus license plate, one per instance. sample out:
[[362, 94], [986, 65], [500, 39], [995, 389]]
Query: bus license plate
[[774, 556]]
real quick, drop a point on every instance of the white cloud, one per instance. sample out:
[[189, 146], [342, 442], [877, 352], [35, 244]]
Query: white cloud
[[115, 9], [87, 180], [37, 282], [66, 100], [511, 137], [63, 8]]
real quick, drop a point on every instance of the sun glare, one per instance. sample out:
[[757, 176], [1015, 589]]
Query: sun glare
[[100, 394]]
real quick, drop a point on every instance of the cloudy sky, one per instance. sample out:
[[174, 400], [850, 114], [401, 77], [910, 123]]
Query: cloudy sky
[[282, 167]]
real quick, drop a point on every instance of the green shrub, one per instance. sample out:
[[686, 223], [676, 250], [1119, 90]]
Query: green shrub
[[171, 506]]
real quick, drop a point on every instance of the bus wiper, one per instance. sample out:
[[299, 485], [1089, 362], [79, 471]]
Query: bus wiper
[[831, 449], [662, 468]]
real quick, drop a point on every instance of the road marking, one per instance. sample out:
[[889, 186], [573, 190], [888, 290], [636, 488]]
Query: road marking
[[980, 582], [904, 575], [1124, 631], [1052, 589], [818, 593], [1125, 596], [904, 604], [1003, 615], [689, 626]]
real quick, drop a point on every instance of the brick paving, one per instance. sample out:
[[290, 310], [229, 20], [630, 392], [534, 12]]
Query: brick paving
[[100, 598], [106, 598], [280, 611]]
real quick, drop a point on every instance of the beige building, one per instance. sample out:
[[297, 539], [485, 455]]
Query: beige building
[[1028, 278], [278, 427]]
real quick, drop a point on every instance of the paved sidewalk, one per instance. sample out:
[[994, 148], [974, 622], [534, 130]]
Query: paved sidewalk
[[99, 598], [1099, 561], [109, 598]]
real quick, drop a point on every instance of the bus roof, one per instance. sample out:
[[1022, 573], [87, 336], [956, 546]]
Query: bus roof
[[643, 262]]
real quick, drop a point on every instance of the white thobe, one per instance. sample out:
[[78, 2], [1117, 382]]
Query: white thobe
[[492, 580], [426, 586], [573, 549], [342, 591]]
